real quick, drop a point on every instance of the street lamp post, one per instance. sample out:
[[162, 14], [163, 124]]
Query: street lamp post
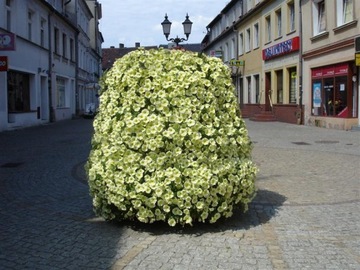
[[166, 24]]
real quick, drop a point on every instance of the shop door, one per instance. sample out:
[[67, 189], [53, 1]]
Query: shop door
[[44, 109], [340, 97]]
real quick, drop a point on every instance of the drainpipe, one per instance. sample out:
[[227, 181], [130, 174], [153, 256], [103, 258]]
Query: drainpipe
[[51, 108], [300, 66], [237, 68], [77, 101]]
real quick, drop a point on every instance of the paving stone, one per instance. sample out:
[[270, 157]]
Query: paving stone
[[304, 216]]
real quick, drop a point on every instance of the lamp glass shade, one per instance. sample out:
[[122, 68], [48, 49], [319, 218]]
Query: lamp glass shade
[[187, 26], [166, 25]]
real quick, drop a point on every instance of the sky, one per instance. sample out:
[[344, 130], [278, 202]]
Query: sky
[[130, 21]]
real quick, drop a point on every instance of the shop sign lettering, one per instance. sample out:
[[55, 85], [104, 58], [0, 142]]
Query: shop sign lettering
[[329, 71], [282, 48]]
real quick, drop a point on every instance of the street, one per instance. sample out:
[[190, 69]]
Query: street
[[304, 216]]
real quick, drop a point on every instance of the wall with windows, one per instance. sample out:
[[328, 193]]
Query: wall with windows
[[281, 57], [222, 38], [24, 87], [331, 93], [40, 84], [249, 48]]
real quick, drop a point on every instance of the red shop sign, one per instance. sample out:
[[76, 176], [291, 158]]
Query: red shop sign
[[3, 63], [341, 69], [333, 70], [281, 48]]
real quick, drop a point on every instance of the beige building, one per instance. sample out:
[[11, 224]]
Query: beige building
[[331, 78], [294, 59], [249, 67], [269, 43], [267, 55]]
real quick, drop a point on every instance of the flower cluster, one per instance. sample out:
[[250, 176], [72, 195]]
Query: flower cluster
[[169, 143]]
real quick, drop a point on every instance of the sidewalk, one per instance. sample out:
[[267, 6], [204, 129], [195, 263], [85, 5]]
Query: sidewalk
[[305, 215]]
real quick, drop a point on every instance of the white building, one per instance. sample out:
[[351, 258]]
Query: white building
[[39, 75]]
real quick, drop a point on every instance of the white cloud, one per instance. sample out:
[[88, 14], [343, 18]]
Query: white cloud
[[128, 21]]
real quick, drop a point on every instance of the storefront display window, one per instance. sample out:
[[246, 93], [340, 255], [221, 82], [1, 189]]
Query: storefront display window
[[18, 92], [279, 87], [292, 86], [330, 91]]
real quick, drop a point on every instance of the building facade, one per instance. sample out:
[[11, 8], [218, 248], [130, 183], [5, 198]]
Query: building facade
[[221, 39], [290, 66], [281, 60], [39, 82], [331, 78]]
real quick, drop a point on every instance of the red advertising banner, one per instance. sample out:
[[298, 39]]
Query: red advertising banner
[[7, 42], [3, 63], [328, 71], [282, 48]]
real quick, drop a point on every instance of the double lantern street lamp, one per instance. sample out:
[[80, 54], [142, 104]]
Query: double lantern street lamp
[[166, 25]]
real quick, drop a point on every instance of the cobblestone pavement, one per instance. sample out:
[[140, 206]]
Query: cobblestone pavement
[[305, 214]]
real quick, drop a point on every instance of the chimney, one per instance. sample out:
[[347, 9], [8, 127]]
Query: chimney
[[112, 47], [121, 45], [137, 44]]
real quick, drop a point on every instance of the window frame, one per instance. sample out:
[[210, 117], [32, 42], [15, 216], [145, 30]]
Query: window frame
[[42, 31], [64, 45], [30, 21], [56, 40], [268, 27], [247, 40], [278, 16], [291, 17], [341, 10], [256, 35], [8, 6], [318, 17], [241, 43], [61, 92]]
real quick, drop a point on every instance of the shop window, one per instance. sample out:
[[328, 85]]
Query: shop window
[[257, 88], [18, 92], [60, 93], [292, 84], [248, 82], [330, 94], [339, 101], [241, 91], [279, 86]]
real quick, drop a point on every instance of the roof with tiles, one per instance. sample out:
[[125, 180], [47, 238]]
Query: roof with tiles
[[109, 55]]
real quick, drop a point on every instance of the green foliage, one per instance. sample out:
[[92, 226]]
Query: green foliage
[[169, 143]]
